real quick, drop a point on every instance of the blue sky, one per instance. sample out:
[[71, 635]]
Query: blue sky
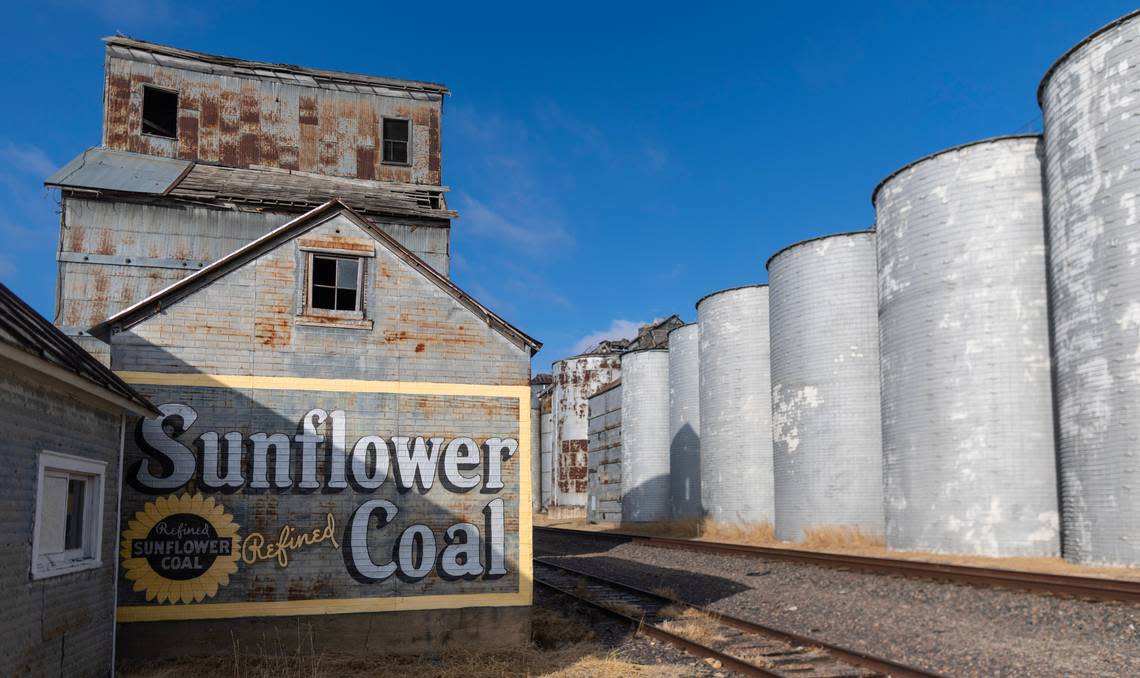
[[611, 162]]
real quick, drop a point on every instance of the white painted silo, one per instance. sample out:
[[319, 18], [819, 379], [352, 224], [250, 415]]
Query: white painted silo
[[826, 435], [969, 463], [685, 422], [575, 380], [736, 406], [645, 436], [536, 387], [546, 449], [1092, 150]]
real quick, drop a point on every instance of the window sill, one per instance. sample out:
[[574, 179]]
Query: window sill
[[334, 321], [392, 163], [48, 571]]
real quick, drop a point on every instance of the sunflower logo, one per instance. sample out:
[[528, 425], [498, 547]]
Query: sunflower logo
[[180, 549]]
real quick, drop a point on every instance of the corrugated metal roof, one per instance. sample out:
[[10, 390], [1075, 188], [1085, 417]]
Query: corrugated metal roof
[[104, 169], [24, 329], [260, 187]]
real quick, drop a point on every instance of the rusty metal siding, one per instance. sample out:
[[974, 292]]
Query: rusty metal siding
[[60, 625], [575, 380], [245, 323], [248, 121], [99, 237]]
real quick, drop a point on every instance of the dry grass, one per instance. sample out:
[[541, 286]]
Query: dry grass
[[846, 541], [694, 625], [561, 647], [840, 538], [756, 534]]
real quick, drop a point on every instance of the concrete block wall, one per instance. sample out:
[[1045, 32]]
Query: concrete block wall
[[61, 625]]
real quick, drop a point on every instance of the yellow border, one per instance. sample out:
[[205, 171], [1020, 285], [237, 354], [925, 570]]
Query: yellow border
[[141, 613]]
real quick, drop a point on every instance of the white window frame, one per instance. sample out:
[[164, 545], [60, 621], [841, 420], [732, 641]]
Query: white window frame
[[91, 554]]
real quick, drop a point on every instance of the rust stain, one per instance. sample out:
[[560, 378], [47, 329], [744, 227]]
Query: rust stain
[[338, 242], [419, 348], [106, 242]]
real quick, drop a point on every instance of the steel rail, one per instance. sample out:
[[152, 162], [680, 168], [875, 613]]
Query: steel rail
[[845, 655], [1095, 588]]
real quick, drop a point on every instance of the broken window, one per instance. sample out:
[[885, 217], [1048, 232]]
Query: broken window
[[160, 112], [397, 136], [335, 283], [69, 515]]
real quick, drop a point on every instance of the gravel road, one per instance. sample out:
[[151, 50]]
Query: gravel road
[[945, 628]]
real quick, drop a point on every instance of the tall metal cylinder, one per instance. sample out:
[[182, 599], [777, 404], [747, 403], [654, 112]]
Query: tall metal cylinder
[[575, 380], [685, 422], [827, 441], [736, 406], [536, 446], [969, 463], [1092, 128], [645, 436]]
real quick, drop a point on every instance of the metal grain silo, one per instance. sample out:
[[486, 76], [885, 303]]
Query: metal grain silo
[[826, 435], [645, 436], [546, 448], [537, 385], [1092, 128], [969, 463], [736, 406], [685, 422], [575, 380]]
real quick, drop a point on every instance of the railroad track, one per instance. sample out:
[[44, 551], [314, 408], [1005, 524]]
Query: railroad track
[[1063, 585], [734, 644]]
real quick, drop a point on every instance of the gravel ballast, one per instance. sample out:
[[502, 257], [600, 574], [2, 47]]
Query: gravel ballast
[[940, 627]]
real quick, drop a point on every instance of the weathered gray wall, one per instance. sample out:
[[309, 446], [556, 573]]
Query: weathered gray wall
[[1091, 128], [645, 436], [604, 501], [165, 243], [575, 380], [685, 422], [827, 440], [60, 625], [968, 444], [245, 121], [245, 324], [736, 406]]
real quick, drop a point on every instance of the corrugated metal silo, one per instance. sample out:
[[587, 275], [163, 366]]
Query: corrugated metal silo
[[546, 446], [575, 380], [604, 503], [827, 440], [1092, 153], [736, 406], [645, 436], [685, 422], [969, 463], [536, 442]]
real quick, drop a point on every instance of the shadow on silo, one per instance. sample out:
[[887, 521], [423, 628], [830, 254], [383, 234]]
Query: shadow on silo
[[685, 474]]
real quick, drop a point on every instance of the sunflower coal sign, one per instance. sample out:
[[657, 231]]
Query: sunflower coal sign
[[287, 496]]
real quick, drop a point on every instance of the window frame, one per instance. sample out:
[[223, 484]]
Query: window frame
[[411, 127], [90, 553], [142, 112], [361, 299]]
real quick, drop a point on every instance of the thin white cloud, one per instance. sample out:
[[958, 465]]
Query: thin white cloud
[[26, 159], [618, 329], [533, 236]]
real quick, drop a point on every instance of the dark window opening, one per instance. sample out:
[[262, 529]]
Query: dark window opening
[[396, 137], [160, 112], [335, 283], [73, 530]]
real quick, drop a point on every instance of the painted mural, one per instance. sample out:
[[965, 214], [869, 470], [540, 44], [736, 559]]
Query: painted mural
[[249, 499]]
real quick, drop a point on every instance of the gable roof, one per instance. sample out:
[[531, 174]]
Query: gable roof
[[28, 338], [146, 308]]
